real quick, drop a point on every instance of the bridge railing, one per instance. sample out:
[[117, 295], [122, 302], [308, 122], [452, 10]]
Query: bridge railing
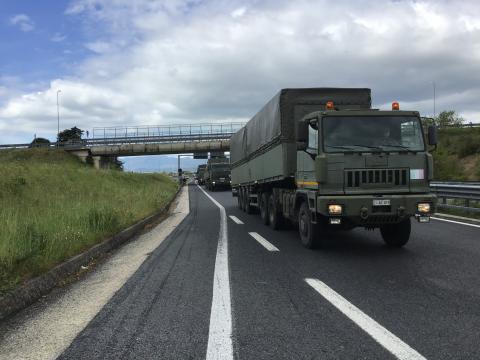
[[179, 130], [146, 134], [457, 195]]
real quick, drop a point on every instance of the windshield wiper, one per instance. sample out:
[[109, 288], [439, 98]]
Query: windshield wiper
[[368, 146], [346, 147], [354, 146], [399, 146]]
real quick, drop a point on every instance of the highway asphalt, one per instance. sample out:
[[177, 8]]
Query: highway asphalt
[[357, 299]]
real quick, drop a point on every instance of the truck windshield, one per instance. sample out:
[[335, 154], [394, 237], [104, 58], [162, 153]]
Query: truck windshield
[[372, 133], [221, 167]]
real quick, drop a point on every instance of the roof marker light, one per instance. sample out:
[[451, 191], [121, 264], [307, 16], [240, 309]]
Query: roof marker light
[[395, 106]]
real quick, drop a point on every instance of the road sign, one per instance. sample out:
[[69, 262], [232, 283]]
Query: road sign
[[217, 154], [203, 155]]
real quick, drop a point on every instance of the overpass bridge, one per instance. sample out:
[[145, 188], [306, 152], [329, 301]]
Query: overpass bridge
[[111, 142]]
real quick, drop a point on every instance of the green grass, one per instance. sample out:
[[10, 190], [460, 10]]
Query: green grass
[[53, 207], [458, 155]]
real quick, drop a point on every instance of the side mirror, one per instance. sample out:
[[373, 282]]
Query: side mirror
[[432, 135], [301, 145], [302, 135]]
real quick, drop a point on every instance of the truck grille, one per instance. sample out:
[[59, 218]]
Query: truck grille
[[368, 177], [380, 220]]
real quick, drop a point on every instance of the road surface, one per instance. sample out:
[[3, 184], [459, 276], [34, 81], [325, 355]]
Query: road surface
[[224, 286]]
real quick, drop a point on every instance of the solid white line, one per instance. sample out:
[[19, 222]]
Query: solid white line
[[264, 242], [220, 331], [455, 222], [236, 220], [384, 337]]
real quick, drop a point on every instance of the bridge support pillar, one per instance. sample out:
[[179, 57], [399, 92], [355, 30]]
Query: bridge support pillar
[[97, 162], [105, 162], [83, 155]]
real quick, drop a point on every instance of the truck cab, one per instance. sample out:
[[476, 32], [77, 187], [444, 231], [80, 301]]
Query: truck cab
[[322, 158], [366, 168], [217, 175]]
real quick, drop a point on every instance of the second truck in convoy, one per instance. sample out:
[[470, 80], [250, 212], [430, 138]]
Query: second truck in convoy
[[323, 158], [200, 174], [217, 173]]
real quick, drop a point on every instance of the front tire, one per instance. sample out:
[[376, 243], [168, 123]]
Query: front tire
[[397, 235], [307, 230]]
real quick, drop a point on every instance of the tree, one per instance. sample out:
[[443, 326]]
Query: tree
[[39, 142], [73, 134], [448, 118]]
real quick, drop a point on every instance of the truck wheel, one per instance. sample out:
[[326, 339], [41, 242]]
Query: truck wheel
[[264, 198], [248, 207], [396, 235], [275, 218], [307, 230], [239, 200], [242, 199]]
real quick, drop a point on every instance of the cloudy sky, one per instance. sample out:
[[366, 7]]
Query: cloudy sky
[[123, 62]]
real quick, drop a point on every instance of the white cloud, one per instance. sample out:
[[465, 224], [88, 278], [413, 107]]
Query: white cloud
[[58, 37], [99, 47], [189, 61], [237, 13], [23, 22]]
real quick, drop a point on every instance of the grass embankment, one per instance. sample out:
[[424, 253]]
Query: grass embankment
[[53, 207], [458, 159], [458, 155]]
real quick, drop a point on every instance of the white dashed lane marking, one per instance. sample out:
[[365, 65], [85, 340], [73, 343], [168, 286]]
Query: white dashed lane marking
[[381, 335], [236, 220], [267, 245]]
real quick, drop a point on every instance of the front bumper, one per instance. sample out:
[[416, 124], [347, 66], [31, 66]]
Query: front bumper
[[221, 183], [358, 210]]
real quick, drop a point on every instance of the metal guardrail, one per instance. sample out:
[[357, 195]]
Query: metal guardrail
[[467, 192], [463, 126]]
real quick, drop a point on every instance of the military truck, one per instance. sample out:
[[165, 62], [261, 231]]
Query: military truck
[[322, 158], [217, 173], [200, 174]]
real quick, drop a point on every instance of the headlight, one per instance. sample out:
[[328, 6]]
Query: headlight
[[213, 182], [334, 209], [423, 207]]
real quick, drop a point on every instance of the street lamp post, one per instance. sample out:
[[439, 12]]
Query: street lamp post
[[58, 118]]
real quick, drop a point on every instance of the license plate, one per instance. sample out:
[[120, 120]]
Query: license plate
[[381, 202], [222, 179]]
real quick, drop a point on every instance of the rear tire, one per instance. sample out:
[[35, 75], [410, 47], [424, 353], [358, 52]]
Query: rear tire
[[264, 198], [275, 218], [239, 199], [396, 235], [248, 207], [308, 232], [242, 199]]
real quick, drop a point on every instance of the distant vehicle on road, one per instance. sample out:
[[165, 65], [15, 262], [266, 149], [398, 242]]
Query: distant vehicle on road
[[322, 158], [200, 173], [217, 174]]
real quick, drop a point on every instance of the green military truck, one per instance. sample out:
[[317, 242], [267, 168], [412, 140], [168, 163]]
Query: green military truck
[[324, 159], [217, 174], [200, 174]]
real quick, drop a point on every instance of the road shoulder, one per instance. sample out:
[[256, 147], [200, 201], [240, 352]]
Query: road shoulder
[[45, 329]]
